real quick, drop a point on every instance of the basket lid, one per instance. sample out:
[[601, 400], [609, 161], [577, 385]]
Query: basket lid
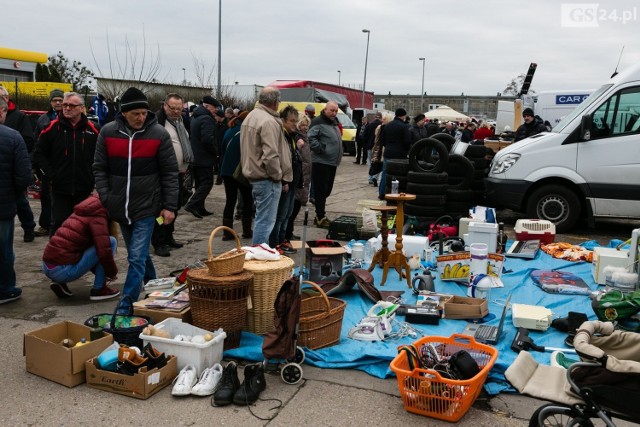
[[258, 266]]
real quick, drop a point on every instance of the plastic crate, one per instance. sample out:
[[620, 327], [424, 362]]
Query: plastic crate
[[426, 392], [188, 353], [535, 229], [343, 228]]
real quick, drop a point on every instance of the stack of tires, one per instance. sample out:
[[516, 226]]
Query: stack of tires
[[477, 155], [459, 193], [397, 169], [427, 179]]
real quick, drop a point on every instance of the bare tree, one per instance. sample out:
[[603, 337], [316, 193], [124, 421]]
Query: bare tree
[[514, 86], [204, 78]]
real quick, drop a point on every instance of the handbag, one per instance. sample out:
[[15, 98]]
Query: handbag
[[125, 328], [375, 168], [239, 177]]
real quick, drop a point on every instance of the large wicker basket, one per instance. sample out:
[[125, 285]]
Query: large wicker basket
[[228, 263], [268, 277], [219, 302], [320, 320]]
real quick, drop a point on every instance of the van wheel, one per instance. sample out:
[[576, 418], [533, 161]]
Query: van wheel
[[556, 204]]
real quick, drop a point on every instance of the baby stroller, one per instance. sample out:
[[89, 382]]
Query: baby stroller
[[281, 343], [607, 380]]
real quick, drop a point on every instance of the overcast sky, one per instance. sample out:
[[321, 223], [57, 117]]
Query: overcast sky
[[475, 47]]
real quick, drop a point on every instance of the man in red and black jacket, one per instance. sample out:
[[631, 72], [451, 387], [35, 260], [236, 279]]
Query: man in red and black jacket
[[64, 152]]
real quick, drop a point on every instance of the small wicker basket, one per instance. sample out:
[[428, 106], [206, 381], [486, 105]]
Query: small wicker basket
[[320, 320], [228, 263]]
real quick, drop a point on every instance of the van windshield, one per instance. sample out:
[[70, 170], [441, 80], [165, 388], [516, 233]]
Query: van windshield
[[345, 121], [579, 110]]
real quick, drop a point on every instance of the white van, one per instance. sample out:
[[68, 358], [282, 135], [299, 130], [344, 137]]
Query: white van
[[588, 166]]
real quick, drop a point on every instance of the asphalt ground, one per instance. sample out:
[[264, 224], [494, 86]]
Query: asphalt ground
[[327, 397]]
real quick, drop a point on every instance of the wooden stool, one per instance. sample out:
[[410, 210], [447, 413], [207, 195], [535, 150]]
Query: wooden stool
[[397, 259], [382, 255]]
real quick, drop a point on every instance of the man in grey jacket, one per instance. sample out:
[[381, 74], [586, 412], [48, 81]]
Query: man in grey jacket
[[325, 142]]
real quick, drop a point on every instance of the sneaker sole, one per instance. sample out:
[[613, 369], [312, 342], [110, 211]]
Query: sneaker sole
[[60, 293], [222, 402], [103, 297], [202, 392], [6, 300]]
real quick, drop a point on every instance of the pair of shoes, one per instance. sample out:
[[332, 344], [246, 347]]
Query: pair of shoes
[[6, 297], [208, 381], [155, 358], [375, 182], [175, 245], [322, 222], [41, 231], [558, 358], [193, 211], [205, 212], [230, 390], [29, 235], [286, 249], [184, 382], [61, 290], [103, 293], [162, 250]]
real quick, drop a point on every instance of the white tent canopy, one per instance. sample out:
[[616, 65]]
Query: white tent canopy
[[445, 113]]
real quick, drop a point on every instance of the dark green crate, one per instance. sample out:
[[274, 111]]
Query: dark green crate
[[343, 228]]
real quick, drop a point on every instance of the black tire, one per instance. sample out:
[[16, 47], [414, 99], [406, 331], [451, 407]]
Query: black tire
[[477, 185], [456, 207], [557, 204], [423, 200], [426, 189], [454, 180], [445, 138], [456, 169], [427, 177], [468, 168], [556, 415], [423, 211], [476, 151], [457, 195], [397, 167], [422, 149], [480, 175], [478, 164]]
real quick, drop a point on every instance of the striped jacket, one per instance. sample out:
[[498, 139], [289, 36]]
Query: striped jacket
[[136, 172]]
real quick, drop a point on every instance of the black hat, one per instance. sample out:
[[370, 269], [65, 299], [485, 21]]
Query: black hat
[[401, 112], [527, 112], [211, 101], [132, 99], [56, 93]]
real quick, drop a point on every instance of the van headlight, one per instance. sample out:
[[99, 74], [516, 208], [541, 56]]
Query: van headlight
[[504, 163]]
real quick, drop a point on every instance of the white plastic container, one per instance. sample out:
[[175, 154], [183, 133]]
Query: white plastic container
[[483, 232], [188, 353], [411, 245]]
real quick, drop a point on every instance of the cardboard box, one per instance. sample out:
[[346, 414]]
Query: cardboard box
[[141, 385], [465, 308], [158, 315], [45, 356], [324, 260]]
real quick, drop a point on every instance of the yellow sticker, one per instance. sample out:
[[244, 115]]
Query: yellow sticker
[[160, 220]]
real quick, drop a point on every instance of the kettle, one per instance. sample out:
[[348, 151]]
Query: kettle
[[423, 282]]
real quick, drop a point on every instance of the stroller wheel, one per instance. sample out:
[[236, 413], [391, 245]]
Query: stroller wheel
[[553, 415], [299, 357], [291, 373]]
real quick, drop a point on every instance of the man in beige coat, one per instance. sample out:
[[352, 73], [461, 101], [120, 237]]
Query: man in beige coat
[[266, 160]]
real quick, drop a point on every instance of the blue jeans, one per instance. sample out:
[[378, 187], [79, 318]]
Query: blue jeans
[[89, 260], [137, 237], [266, 197], [285, 209], [383, 177], [7, 258]]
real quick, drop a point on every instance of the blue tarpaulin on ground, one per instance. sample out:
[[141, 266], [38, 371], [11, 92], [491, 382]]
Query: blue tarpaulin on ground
[[374, 357]]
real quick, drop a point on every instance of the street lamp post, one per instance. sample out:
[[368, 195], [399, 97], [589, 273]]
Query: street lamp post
[[184, 76], [366, 58], [219, 94], [338, 77], [422, 90]]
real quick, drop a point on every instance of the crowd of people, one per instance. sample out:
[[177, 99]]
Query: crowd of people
[[137, 169]]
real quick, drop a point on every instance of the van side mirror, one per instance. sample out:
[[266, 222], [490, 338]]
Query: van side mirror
[[585, 127]]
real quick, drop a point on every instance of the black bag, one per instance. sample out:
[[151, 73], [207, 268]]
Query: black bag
[[239, 177], [125, 328], [375, 168]]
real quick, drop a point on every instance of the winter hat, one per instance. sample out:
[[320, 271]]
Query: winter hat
[[56, 93], [310, 108], [400, 112], [132, 99], [211, 101], [527, 112]]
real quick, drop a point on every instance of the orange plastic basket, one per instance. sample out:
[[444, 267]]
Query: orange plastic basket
[[426, 392]]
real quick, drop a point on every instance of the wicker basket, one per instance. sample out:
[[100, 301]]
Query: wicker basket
[[219, 302], [268, 277], [320, 320], [228, 263]]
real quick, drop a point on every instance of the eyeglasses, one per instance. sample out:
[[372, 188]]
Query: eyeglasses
[[65, 105], [56, 100]]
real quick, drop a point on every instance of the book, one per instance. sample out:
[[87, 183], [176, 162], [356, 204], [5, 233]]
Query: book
[[169, 305], [524, 249], [559, 282], [168, 294]]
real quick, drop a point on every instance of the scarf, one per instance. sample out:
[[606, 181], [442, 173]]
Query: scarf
[[183, 136]]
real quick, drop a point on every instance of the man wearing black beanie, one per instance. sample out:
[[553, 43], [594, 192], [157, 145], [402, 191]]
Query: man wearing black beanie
[[532, 125], [136, 175]]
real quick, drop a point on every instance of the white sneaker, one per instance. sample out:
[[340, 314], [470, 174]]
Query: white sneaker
[[208, 381], [185, 381]]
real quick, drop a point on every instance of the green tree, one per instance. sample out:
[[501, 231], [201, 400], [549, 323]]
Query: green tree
[[62, 69]]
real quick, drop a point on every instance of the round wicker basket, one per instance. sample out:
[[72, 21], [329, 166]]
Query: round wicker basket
[[228, 263]]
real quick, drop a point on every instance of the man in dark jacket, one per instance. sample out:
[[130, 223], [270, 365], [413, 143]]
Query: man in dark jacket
[[396, 140], [531, 125], [418, 131], [136, 174], [15, 175], [17, 120], [205, 153], [64, 152]]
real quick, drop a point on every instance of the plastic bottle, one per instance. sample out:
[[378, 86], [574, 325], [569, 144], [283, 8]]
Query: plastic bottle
[[369, 250], [395, 186], [82, 341]]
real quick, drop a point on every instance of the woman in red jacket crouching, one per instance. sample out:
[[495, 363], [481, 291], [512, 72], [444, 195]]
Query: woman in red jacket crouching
[[81, 244]]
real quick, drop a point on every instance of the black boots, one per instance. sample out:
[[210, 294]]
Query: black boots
[[227, 222], [246, 228], [253, 384], [228, 385]]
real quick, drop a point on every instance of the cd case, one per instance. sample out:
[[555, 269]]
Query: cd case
[[559, 282]]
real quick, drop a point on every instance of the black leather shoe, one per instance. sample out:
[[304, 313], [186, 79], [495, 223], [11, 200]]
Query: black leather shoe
[[29, 235], [356, 162], [193, 211], [227, 386], [163, 251], [173, 244], [252, 385], [205, 212]]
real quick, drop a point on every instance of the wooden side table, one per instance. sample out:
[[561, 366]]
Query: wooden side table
[[397, 259], [382, 255]]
